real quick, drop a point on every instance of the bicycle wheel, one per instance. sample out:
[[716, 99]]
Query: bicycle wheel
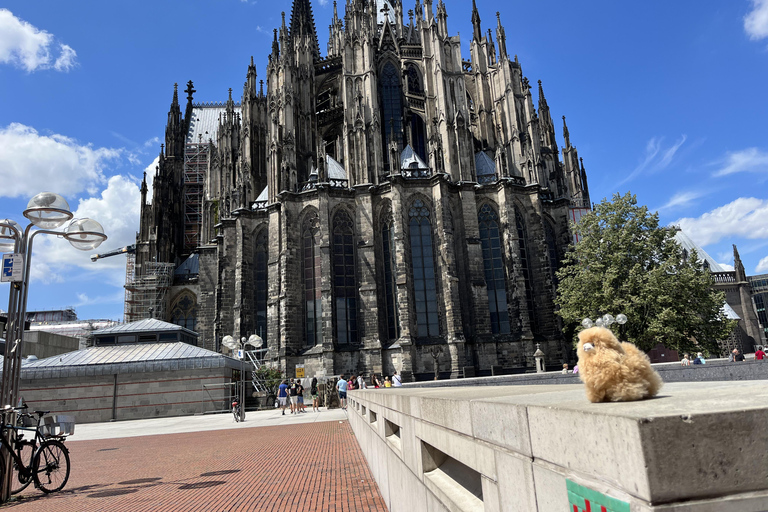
[[236, 413], [51, 466], [20, 480]]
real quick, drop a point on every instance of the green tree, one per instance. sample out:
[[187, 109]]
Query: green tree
[[625, 263], [270, 377]]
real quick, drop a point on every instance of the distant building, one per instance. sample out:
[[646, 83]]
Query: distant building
[[150, 330]]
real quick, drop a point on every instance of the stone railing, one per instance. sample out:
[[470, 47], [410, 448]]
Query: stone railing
[[547, 449], [581, 203], [466, 66], [416, 173], [338, 183], [724, 277], [327, 64], [415, 101], [259, 205], [408, 51], [487, 178]]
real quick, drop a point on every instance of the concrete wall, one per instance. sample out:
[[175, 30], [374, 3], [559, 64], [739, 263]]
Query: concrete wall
[[96, 398], [697, 447]]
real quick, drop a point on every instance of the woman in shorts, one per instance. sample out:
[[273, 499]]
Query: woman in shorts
[[315, 395]]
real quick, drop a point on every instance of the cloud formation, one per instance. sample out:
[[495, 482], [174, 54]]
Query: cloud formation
[[756, 21], [762, 265], [656, 157], [681, 199], [745, 217], [25, 46], [746, 160], [57, 161]]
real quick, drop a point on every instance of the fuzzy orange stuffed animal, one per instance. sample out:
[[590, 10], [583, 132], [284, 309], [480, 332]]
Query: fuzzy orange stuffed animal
[[614, 371]]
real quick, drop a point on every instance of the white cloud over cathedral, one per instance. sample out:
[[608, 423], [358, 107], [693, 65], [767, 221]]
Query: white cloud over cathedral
[[756, 21], [744, 217], [25, 46]]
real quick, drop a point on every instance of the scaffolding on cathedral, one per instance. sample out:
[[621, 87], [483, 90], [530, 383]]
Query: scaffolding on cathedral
[[146, 293], [195, 165]]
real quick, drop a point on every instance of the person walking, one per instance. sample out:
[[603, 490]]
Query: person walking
[[737, 356], [361, 382], [300, 407], [699, 359], [759, 354], [294, 397], [282, 395], [686, 361], [387, 382], [315, 395], [396, 380], [341, 388], [376, 382]]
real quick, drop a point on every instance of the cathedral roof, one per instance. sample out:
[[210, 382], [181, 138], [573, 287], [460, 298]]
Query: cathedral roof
[[204, 124], [410, 160], [689, 245], [485, 166], [335, 169], [730, 313], [264, 195]]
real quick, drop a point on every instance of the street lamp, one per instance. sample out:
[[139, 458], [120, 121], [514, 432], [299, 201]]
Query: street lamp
[[233, 344], [46, 212]]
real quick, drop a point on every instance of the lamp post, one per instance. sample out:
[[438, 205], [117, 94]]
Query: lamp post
[[233, 344], [46, 212]]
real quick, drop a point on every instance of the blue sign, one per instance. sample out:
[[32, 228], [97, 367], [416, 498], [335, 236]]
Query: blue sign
[[13, 265]]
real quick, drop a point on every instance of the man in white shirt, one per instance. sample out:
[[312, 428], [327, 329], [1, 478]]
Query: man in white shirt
[[396, 380], [361, 383]]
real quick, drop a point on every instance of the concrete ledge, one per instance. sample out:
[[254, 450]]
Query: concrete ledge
[[699, 446]]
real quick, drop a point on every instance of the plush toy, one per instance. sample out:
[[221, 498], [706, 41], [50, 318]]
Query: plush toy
[[614, 371]]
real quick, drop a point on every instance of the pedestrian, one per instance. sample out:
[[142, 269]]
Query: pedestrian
[[759, 354], [737, 356], [341, 387], [396, 380], [699, 359], [294, 397], [565, 368], [387, 382], [361, 382], [686, 361], [576, 368], [300, 407], [315, 395], [376, 382], [282, 395]]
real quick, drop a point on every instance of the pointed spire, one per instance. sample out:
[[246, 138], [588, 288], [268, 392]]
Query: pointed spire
[[303, 25], [275, 46], [738, 266], [190, 90], [566, 134], [250, 84], [542, 99], [476, 22], [230, 106], [501, 38], [175, 95]]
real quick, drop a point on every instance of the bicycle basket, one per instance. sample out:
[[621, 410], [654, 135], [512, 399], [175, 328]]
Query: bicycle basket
[[58, 425]]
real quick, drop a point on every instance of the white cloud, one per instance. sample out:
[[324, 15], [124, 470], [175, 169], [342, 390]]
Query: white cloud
[[681, 199], [762, 265], [656, 157], [726, 266], [756, 21], [746, 160], [25, 46], [117, 210], [745, 217], [28, 159]]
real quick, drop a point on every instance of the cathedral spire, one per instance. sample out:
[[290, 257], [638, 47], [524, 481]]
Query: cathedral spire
[[303, 25], [738, 266], [275, 47], [476, 22], [501, 38], [566, 134], [174, 129], [251, 77]]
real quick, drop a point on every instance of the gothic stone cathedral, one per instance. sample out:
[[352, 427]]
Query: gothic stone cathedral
[[388, 206]]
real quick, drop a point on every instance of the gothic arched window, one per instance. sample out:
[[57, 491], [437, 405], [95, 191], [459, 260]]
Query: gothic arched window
[[419, 136], [390, 278], [423, 263], [414, 80], [495, 278], [313, 312], [525, 266], [184, 311], [344, 279], [554, 255], [392, 105], [261, 283]]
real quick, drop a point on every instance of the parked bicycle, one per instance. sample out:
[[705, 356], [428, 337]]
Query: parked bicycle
[[236, 411], [43, 459]]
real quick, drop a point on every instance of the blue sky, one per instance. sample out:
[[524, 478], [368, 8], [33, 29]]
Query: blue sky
[[663, 99]]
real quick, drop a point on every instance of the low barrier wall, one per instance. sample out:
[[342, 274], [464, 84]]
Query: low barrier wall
[[698, 447]]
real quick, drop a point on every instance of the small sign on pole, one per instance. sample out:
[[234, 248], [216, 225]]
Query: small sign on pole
[[299, 371], [13, 268]]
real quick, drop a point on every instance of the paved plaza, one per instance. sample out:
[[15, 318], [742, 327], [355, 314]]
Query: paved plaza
[[306, 462]]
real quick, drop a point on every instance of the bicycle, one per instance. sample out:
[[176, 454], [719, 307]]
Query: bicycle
[[236, 410], [43, 459]]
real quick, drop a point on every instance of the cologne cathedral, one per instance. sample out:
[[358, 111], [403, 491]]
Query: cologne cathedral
[[386, 206]]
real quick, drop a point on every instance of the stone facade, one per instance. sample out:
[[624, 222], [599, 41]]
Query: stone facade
[[389, 206]]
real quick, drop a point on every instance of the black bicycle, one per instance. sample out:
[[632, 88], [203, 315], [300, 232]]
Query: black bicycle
[[236, 410], [43, 459]]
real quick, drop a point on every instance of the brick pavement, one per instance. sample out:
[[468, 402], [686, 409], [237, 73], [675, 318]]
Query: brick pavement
[[305, 467]]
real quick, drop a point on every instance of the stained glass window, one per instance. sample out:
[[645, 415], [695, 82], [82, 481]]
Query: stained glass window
[[392, 105], [525, 266], [344, 279], [390, 288], [184, 311], [495, 278], [313, 312], [423, 262]]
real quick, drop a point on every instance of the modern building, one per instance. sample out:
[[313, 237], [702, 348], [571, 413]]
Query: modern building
[[389, 205], [759, 284]]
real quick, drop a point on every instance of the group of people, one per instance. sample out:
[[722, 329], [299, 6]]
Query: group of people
[[566, 370], [358, 382], [687, 359], [293, 394]]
